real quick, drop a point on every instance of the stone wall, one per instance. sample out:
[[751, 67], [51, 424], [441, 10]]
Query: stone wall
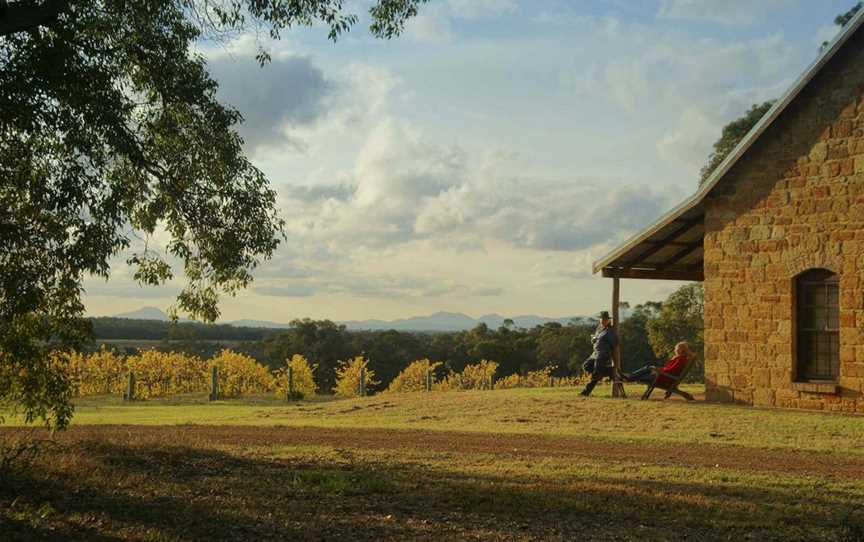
[[794, 202]]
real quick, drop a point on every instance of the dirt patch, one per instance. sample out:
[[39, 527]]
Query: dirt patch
[[714, 455]]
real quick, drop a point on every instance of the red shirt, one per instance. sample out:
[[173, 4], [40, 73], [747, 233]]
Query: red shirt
[[673, 367]]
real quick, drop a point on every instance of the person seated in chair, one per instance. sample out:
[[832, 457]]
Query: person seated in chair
[[672, 367]]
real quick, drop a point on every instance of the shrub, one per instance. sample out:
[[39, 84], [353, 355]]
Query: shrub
[[153, 376], [240, 374], [534, 379], [413, 377], [302, 379], [473, 377], [101, 372], [348, 377]]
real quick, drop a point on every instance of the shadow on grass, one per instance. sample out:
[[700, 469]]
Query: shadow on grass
[[97, 490]]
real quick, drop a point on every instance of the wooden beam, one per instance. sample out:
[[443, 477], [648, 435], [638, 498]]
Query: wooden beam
[[693, 274], [680, 255], [678, 232], [617, 386], [673, 243]]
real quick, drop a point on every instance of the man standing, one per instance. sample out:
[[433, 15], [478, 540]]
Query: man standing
[[599, 364]]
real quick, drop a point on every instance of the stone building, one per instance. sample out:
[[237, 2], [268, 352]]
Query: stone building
[[777, 236]]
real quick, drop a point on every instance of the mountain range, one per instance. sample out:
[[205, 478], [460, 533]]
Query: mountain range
[[439, 321]]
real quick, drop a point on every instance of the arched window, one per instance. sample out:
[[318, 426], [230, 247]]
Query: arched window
[[818, 325]]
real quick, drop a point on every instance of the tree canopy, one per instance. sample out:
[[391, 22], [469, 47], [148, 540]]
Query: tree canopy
[[110, 130], [731, 135], [735, 131]]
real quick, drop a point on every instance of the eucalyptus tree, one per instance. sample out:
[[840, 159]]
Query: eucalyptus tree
[[110, 129]]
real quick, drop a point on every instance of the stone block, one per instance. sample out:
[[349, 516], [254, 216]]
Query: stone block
[[763, 397], [811, 404]]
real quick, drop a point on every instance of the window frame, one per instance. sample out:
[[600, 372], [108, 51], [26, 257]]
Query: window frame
[[803, 284]]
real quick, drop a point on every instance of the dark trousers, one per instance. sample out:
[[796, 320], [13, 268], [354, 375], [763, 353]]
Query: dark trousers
[[643, 374], [600, 371]]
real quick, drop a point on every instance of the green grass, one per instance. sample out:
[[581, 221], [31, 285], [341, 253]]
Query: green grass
[[558, 411], [525, 464]]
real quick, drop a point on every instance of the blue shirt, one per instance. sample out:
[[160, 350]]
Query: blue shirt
[[605, 342]]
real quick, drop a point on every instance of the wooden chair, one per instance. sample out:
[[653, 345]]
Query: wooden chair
[[671, 383]]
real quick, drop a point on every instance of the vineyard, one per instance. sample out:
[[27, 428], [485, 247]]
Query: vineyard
[[163, 374], [152, 374]]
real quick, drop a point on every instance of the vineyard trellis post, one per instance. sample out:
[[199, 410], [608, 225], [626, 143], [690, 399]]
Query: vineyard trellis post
[[214, 383], [361, 388], [428, 379], [130, 388]]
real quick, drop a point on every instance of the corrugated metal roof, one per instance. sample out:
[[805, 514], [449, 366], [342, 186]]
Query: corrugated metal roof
[[640, 254]]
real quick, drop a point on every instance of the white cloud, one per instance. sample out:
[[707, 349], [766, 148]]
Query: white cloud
[[684, 90], [689, 136], [432, 24], [404, 188], [475, 9], [730, 12]]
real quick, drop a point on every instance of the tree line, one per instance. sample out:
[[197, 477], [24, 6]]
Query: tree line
[[647, 335]]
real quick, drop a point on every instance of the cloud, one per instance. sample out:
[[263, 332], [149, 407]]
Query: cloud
[[434, 22], [476, 9], [287, 93], [681, 90], [431, 24], [294, 290], [728, 12], [381, 286], [404, 188], [128, 289]]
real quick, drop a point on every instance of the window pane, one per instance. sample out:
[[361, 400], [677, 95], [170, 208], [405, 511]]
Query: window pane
[[815, 295], [833, 295], [818, 319], [833, 318]]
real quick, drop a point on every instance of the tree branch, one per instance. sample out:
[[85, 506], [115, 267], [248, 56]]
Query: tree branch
[[20, 16]]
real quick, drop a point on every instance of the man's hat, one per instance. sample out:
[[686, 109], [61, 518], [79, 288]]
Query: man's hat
[[604, 315]]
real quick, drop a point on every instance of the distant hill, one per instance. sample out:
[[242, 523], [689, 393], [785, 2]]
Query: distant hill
[[145, 313], [439, 321], [452, 321], [258, 324]]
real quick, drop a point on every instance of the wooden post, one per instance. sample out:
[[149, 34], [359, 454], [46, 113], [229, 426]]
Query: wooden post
[[214, 383], [428, 379], [290, 395], [617, 385], [361, 390], [130, 388]]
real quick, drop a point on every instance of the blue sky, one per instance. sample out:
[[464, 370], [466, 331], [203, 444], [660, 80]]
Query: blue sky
[[480, 162]]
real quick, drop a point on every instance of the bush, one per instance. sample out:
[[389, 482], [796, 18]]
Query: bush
[[240, 374], [413, 377], [473, 377], [101, 372], [534, 379], [153, 373], [348, 377], [302, 378]]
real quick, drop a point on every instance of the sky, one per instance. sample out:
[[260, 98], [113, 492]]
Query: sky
[[482, 161]]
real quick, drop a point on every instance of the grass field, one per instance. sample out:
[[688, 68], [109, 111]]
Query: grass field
[[525, 464]]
